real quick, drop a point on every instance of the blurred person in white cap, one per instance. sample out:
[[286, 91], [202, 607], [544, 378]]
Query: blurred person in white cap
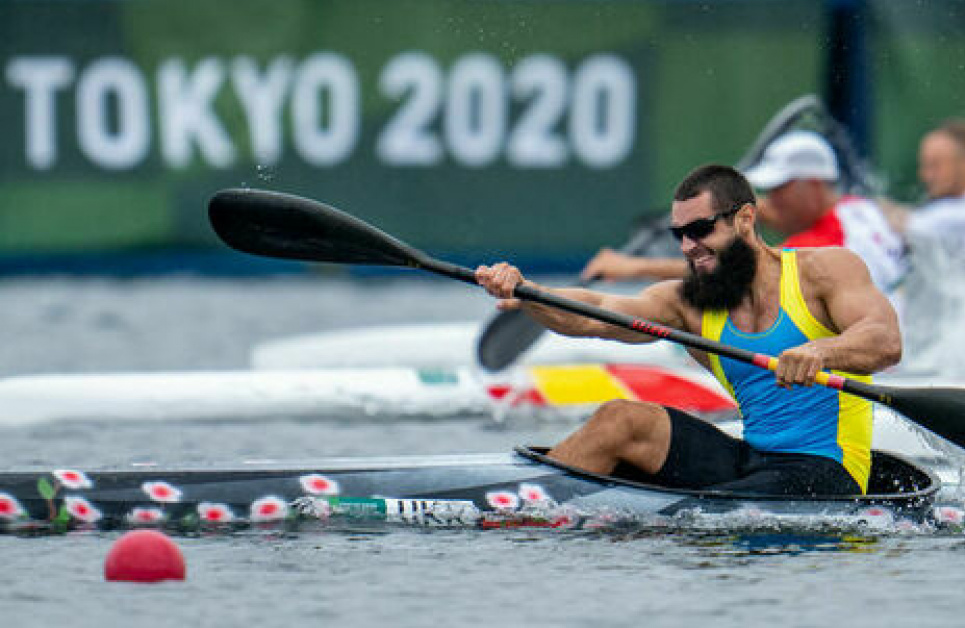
[[797, 175]]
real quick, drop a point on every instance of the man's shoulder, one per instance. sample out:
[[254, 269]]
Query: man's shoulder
[[828, 263], [669, 294], [668, 290], [825, 254]]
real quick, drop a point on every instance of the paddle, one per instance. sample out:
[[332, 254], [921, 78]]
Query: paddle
[[508, 334], [291, 227], [511, 332]]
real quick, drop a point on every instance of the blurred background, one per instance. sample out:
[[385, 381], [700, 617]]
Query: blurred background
[[474, 129]]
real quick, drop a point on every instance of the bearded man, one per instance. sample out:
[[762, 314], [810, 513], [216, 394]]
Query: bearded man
[[815, 309]]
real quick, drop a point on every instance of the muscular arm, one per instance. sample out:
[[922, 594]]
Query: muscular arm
[[869, 339], [659, 303]]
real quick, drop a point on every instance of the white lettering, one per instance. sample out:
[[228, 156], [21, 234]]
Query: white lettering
[[184, 103], [535, 141], [40, 78], [325, 109], [408, 139], [262, 96], [128, 144], [476, 110], [602, 119]]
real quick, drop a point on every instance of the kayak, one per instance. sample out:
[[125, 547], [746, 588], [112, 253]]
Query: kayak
[[435, 345], [550, 392], [561, 394], [524, 488]]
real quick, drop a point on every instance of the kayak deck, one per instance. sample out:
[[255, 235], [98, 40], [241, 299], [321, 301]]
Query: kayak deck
[[524, 488]]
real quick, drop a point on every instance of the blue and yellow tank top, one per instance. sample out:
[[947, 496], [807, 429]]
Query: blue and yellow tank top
[[816, 420]]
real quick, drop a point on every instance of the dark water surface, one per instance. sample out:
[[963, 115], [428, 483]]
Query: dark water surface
[[395, 577]]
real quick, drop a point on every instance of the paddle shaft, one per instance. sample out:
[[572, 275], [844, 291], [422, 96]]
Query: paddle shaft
[[535, 295]]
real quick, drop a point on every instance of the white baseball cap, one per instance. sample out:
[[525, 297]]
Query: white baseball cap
[[795, 155]]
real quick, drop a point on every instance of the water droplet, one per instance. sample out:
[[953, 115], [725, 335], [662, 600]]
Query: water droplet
[[265, 173]]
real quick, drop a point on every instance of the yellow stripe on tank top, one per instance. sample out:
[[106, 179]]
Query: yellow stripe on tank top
[[855, 415], [711, 327], [792, 299], [578, 384]]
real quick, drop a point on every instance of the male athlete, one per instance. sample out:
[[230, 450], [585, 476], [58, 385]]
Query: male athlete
[[814, 309]]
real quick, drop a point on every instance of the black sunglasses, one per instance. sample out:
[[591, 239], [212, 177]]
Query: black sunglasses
[[703, 227]]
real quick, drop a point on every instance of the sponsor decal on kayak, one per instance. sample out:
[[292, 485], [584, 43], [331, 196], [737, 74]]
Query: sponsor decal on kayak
[[10, 508], [432, 512], [313, 507], [438, 377], [81, 509], [145, 516], [949, 515], [162, 492], [502, 500], [425, 512], [534, 494], [72, 479], [268, 509], [316, 484], [529, 507], [215, 513]]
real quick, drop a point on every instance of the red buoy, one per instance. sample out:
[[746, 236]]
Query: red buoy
[[144, 556]]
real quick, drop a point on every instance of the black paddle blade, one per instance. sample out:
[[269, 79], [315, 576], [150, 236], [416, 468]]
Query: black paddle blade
[[505, 338], [273, 224], [940, 410]]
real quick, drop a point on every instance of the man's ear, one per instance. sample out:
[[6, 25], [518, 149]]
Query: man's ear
[[746, 219]]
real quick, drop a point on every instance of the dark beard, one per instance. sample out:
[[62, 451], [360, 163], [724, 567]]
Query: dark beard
[[726, 286]]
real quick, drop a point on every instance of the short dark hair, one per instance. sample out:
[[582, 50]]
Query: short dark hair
[[728, 187]]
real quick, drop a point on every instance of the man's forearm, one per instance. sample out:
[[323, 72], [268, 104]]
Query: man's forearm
[[863, 349], [567, 323]]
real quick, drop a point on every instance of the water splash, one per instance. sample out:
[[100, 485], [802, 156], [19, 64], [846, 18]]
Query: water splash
[[265, 174]]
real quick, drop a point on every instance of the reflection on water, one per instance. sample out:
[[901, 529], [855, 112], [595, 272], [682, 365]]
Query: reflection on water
[[726, 542], [783, 543]]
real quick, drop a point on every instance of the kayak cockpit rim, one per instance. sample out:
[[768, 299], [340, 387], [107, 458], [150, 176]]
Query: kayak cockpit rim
[[892, 470]]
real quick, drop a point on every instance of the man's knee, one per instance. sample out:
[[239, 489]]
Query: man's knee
[[630, 417]]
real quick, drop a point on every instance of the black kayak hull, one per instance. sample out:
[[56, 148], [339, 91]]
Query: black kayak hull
[[523, 488]]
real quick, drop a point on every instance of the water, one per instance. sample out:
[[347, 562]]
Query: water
[[398, 577]]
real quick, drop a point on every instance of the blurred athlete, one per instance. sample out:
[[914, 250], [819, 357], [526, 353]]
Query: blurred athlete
[[941, 168]]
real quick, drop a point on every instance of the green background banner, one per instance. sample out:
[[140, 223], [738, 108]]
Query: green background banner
[[538, 130]]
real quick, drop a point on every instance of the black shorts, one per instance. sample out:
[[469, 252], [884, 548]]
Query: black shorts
[[701, 456]]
